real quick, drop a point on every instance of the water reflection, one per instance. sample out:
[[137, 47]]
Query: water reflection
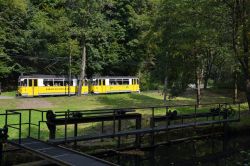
[[208, 152]]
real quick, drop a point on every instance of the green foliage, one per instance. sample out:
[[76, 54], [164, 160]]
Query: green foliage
[[40, 35], [151, 39]]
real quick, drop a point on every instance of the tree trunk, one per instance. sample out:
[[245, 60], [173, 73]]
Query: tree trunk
[[248, 92], [246, 52], [235, 48], [83, 67], [235, 89], [208, 67], [198, 88], [165, 89], [205, 82]]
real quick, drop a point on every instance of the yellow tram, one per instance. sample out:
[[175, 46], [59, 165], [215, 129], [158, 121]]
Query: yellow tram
[[114, 84], [46, 85]]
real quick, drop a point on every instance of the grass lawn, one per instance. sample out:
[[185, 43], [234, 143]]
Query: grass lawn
[[86, 102], [152, 98]]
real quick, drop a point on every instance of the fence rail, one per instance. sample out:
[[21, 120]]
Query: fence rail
[[67, 115]]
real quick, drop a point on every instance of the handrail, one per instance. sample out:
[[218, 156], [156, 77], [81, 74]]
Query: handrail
[[19, 112], [147, 107], [67, 114]]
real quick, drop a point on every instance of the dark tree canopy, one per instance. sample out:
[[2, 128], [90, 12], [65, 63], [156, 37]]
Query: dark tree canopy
[[174, 42]]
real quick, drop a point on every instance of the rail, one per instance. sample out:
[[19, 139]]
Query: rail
[[83, 116], [97, 112], [20, 112]]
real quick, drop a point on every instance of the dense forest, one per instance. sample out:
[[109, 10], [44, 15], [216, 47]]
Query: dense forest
[[166, 43]]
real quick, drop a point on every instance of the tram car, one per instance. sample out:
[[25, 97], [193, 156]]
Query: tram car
[[114, 84], [52, 85], [46, 85]]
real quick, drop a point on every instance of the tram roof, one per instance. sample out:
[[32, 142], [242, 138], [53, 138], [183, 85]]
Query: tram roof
[[37, 76], [113, 77], [46, 76]]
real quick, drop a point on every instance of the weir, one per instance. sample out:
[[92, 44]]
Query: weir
[[148, 123]]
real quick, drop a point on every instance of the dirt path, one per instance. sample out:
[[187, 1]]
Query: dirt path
[[6, 97], [34, 103]]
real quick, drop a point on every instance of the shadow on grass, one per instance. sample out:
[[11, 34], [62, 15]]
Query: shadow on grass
[[144, 100], [129, 100]]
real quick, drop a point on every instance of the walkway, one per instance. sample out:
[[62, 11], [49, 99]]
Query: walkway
[[58, 154]]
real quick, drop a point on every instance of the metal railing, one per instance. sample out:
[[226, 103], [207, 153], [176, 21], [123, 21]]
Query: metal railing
[[111, 111], [29, 123]]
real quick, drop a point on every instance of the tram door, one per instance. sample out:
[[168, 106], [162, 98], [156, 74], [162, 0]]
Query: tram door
[[133, 84], [103, 85], [34, 87]]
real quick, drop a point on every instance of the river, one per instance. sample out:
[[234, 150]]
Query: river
[[208, 152]]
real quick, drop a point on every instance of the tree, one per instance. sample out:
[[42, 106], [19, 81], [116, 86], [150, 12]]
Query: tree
[[13, 16], [239, 16]]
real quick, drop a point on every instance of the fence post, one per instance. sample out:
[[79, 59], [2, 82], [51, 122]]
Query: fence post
[[114, 122], [153, 126], [138, 136], [102, 129], [119, 129], [195, 111], [20, 128], [51, 124], [3, 139], [6, 117], [65, 126], [39, 129], [29, 122], [75, 133]]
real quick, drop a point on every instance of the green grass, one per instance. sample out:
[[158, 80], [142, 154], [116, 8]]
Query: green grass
[[10, 94], [87, 102], [108, 101]]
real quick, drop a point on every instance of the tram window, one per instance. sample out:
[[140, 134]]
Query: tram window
[[137, 81], [23, 83], [119, 81], [66, 83], [58, 82], [134, 81], [30, 82], [48, 82], [125, 82], [84, 82], [112, 82], [94, 82], [35, 82], [103, 82]]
